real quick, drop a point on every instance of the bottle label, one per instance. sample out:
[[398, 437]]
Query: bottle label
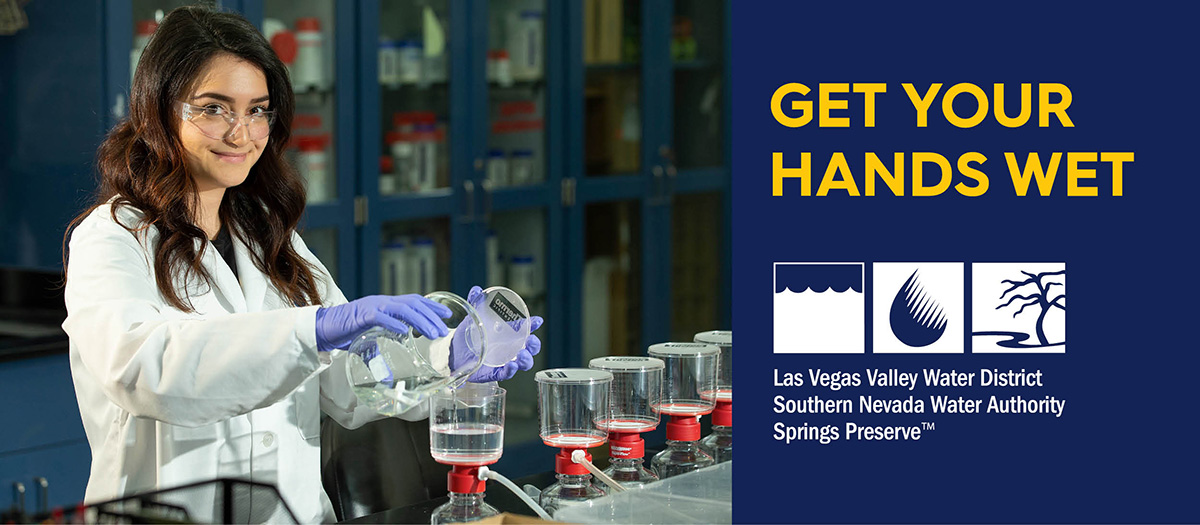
[[505, 309]]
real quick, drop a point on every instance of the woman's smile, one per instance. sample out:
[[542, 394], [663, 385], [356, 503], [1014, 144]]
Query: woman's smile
[[231, 157]]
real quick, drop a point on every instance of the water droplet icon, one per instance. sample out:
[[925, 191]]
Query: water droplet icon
[[917, 320]]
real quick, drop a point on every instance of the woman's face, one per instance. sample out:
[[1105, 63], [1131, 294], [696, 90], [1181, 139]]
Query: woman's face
[[239, 88]]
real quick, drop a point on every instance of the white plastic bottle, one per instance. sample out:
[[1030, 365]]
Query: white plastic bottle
[[522, 277], [389, 62], [423, 266], [393, 265], [520, 167], [525, 44], [411, 62], [313, 166], [425, 135], [497, 168], [495, 266], [309, 71]]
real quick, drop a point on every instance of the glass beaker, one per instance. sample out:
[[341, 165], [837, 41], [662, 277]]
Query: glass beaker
[[393, 373], [466, 424], [636, 387], [505, 318], [719, 444], [689, 391]]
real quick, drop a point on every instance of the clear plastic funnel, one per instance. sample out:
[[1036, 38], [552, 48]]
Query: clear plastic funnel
[[393, 373], [689, 379], [723, 339], [506, 320], [571, 402], [466, 424], [635, 388]]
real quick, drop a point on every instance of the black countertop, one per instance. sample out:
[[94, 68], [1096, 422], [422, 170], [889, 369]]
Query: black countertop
[[31, 314]]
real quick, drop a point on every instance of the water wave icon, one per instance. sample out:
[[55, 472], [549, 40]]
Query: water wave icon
[[916, 318]]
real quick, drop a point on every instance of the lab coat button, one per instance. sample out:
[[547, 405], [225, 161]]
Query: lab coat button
[[268, 439]]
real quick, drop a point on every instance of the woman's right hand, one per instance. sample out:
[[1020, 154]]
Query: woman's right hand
[[338, 325]]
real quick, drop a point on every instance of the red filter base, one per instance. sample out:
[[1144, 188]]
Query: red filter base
[[626, 445], [683, 428], [464, 480], [564, 465], [722, 416]]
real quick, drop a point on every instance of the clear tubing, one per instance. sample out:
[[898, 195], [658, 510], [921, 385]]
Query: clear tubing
[[579, 456], [486, 473], [689, 379]]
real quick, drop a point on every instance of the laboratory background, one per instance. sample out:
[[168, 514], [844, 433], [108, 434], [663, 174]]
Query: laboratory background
[[574, 151]]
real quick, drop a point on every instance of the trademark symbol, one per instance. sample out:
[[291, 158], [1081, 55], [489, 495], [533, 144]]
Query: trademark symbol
[[927, 425]]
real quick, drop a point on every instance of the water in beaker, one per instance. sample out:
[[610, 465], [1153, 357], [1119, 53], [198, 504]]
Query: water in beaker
[[466, 424]]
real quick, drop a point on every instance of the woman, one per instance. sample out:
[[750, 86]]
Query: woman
[[201, 326]]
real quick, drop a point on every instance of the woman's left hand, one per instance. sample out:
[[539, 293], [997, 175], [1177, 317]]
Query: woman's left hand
[[523, 361]]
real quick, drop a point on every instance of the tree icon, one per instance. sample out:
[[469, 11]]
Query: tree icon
[[1042, 297]]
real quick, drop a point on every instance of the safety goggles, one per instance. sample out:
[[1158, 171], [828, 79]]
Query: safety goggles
[[215, 122]]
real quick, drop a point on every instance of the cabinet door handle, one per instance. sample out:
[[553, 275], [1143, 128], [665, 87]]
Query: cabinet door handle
[[469, 194], [659, 187]]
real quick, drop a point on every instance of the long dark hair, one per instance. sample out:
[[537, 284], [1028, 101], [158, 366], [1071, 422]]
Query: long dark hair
[[141, 162]]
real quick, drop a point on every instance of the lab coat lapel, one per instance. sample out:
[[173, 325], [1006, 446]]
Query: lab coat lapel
[[225, 282], [254, 283]]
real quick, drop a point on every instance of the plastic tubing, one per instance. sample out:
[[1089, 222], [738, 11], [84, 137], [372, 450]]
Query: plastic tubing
[[579, 457], [487, 473]]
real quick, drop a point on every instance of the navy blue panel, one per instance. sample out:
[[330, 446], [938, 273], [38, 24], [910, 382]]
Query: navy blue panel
[[53, 120], [40, 407], [64, 465], [43, 433]]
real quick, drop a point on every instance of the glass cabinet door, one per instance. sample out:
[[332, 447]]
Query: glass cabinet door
[[612, 107], [698, 51], [515, 167], [414, 82], [515, 73], [697, 223], [612, 280], [302, 34]]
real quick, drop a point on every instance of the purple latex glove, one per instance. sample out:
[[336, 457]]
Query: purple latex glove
[[460, 356], [337, 326]]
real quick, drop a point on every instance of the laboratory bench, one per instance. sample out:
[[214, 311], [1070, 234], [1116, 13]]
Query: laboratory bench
[[704, 496]]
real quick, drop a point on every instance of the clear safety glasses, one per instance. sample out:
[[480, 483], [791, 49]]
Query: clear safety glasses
[[215, 122]]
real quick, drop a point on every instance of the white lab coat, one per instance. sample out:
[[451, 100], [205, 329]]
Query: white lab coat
[[234, 389]]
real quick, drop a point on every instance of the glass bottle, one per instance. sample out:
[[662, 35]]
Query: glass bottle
[[462, 508], [568, 490], [680, 457], [719, 444], [629, 472]]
